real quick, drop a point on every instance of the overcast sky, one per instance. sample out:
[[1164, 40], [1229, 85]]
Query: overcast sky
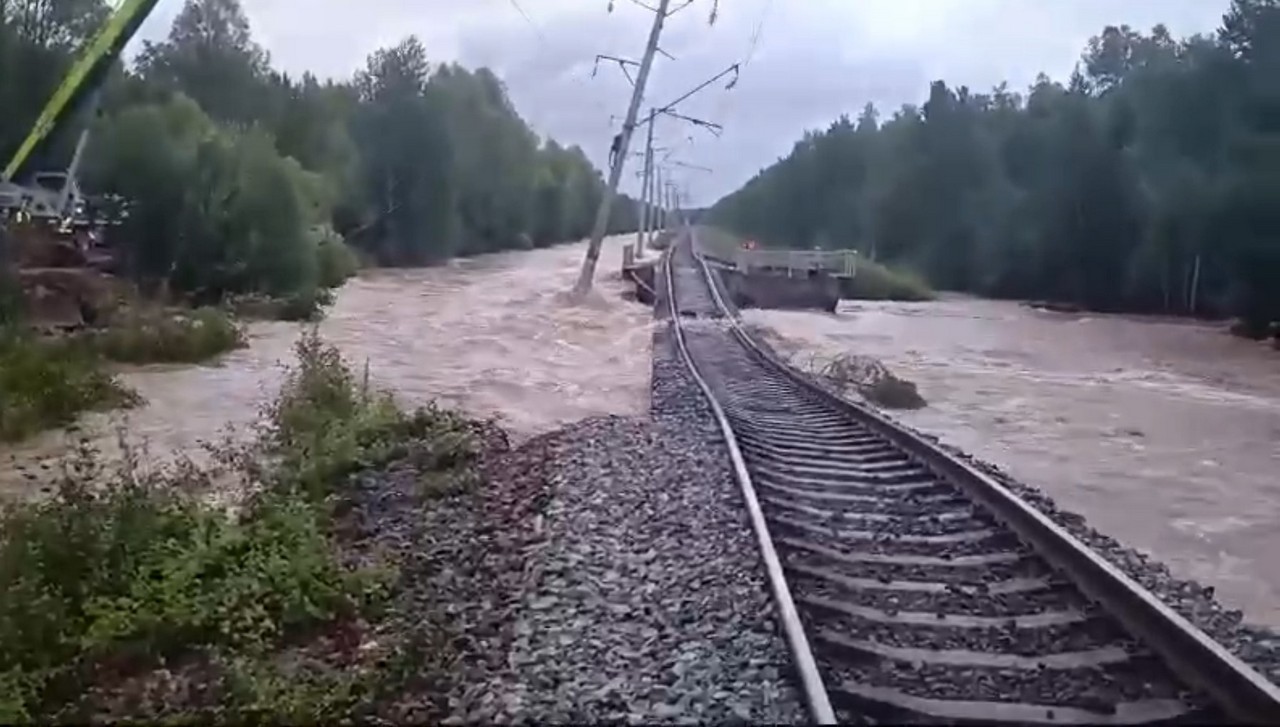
[[814, 59]]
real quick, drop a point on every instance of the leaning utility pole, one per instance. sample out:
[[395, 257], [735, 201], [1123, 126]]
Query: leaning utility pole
[[647, 237], [670, 192], [642, 219], [615, 171], [662, 205]]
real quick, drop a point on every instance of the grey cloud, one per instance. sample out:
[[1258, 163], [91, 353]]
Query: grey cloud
[[815, 59]]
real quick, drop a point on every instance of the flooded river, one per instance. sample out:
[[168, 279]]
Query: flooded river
[[1165, 434], [490, 334]]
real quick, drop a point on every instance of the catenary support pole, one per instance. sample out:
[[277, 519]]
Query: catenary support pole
[[587, 275]]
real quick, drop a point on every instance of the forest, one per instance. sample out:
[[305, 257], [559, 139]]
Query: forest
[[238, 177], [1148, 182]]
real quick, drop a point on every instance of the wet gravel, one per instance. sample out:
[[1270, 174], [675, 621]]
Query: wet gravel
[[1056, 639], [889, 572], [954, 601], [835, 534], [647, 601], [1091, 688]]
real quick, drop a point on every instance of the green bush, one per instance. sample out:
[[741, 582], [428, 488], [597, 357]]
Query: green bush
[[46, 383], [158, 336], [121, 568], [326, 423], [121, 571], [306, 305], [214, 209], [337, 261]]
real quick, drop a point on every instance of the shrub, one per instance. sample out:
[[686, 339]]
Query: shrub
[[157, 336], [121, 568], [307, 305], [326, 423], [120, 571], [213, 208], [337, 261], [46, 383]]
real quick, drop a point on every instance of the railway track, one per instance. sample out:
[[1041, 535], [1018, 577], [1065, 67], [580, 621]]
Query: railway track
[[911, 586]]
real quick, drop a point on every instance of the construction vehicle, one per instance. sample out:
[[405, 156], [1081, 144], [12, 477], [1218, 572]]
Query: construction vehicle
[[49, 246], [55, 196]]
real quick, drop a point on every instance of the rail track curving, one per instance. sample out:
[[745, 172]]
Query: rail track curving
[[911, 586]]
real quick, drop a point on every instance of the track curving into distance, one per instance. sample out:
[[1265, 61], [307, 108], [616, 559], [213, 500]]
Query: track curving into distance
[[911, 586]]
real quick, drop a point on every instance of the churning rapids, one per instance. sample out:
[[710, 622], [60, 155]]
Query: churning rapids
[[1165, 434]]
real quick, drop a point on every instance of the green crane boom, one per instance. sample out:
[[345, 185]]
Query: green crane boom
[[84, 77]]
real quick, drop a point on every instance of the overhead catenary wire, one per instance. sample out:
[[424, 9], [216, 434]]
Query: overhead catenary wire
[[725, 105], [536, 28], [602, 119]]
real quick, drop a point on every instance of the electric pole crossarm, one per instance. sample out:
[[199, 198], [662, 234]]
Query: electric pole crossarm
[[731, 69], [587, 275], [711, 126]]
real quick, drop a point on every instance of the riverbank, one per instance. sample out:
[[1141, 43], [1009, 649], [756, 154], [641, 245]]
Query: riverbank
[[129, 595], [381, 564], [49, 381]]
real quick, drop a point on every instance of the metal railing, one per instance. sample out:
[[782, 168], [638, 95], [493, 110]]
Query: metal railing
[[836, 262]]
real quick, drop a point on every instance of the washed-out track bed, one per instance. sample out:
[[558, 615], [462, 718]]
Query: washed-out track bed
[[912, 586]]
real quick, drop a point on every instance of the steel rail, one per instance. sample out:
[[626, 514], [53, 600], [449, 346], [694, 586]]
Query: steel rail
[[815, 692], [1243, 694]]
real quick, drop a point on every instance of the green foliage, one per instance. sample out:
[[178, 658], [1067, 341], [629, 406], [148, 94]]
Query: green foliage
[[873, 281], [1147, 181], [11, 304], [258, 689], [128, 568], [228, 167], [326, 423], [337, 261], [158, 336], [46, 383], [122, 570]]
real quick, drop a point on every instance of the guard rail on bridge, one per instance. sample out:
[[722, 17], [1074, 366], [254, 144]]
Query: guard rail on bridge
[[835, 262]]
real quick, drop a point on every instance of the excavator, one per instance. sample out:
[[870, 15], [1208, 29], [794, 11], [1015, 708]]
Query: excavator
[[54, 197]]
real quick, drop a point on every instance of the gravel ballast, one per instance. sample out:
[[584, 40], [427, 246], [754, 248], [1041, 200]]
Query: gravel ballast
[[1256, 645], [649, 602]]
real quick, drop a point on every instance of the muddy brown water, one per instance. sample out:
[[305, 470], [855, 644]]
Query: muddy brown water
[[1165, 434], [492, 335]]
